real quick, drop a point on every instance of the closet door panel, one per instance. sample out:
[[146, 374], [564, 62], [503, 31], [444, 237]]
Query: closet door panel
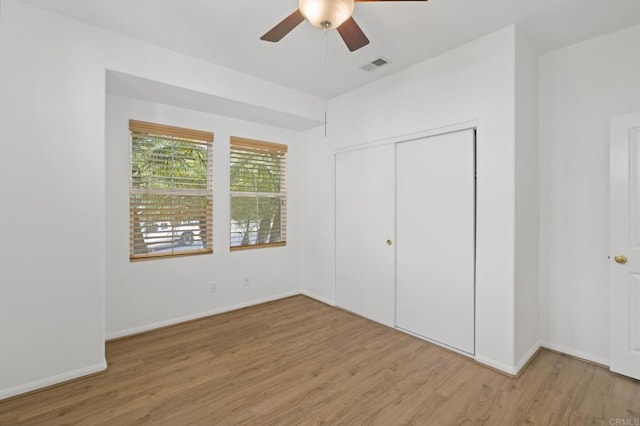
[[436, 238], [365, 218]]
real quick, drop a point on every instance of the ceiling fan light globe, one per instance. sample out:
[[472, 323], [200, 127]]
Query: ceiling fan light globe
[[326, 14]]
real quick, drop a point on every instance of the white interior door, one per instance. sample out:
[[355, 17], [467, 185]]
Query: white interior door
[[624, 270], [436, 239], [365, 217]]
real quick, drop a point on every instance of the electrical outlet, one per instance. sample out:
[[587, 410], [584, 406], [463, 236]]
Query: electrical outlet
[[247, 281], [213, 287]]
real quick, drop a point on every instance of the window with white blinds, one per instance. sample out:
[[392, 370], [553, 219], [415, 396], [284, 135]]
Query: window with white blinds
[[258, 194], [171, 191]]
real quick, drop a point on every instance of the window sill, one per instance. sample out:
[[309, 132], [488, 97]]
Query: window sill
[[258, 246]]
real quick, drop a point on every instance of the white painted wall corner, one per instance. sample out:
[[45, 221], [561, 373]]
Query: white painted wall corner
[[55, 380], [318, 298]]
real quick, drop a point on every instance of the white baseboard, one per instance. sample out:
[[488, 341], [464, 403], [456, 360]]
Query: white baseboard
[[148, 327], [509, 369], [575, 353], [50, 381], [515, 370], [71, 375], [527, 357], [318, 298]]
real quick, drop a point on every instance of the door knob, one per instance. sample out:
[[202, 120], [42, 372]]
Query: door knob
[[389, 242], [621, 259]]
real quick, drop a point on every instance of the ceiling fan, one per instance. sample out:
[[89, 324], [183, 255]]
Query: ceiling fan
[[325, 15]]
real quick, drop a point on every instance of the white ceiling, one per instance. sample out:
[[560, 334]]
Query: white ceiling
[[226, 32]]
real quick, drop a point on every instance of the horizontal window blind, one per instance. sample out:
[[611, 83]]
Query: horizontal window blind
[[258, 184], [171, 191]]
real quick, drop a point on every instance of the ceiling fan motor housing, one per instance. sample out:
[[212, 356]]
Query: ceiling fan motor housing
[[326, 14]]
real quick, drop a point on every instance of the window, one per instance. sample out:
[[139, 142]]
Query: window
[[258, 194], [171, 192]]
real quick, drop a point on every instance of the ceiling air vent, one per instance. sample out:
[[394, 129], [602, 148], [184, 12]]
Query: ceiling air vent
[[375, 64]]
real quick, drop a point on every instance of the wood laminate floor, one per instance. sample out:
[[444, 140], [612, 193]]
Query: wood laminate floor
[[297, 361]]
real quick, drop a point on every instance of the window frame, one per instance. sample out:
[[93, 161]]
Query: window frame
[[180, 136], [260, 148]]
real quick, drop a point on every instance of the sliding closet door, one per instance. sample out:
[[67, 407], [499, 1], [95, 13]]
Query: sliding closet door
[[365, 217], [436, 238]]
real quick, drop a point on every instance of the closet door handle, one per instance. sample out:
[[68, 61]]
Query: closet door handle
[[621, 259], [389, 242]]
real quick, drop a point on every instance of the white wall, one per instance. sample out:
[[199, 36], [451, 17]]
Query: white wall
[[318, 217], [475, 82], [52, 274], [52, 110], [143, 295], [581, 88], [527, 266]]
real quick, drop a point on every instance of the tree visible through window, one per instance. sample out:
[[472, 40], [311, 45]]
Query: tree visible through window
[[171, 193], [258, 194]]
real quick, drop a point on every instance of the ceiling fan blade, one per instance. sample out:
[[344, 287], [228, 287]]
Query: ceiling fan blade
[[352, 35], [284, 27]]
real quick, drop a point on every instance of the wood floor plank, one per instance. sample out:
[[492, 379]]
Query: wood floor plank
[[297, 361]]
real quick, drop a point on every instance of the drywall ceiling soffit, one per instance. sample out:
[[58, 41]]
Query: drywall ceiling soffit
[[227, 33], [140, 88]]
